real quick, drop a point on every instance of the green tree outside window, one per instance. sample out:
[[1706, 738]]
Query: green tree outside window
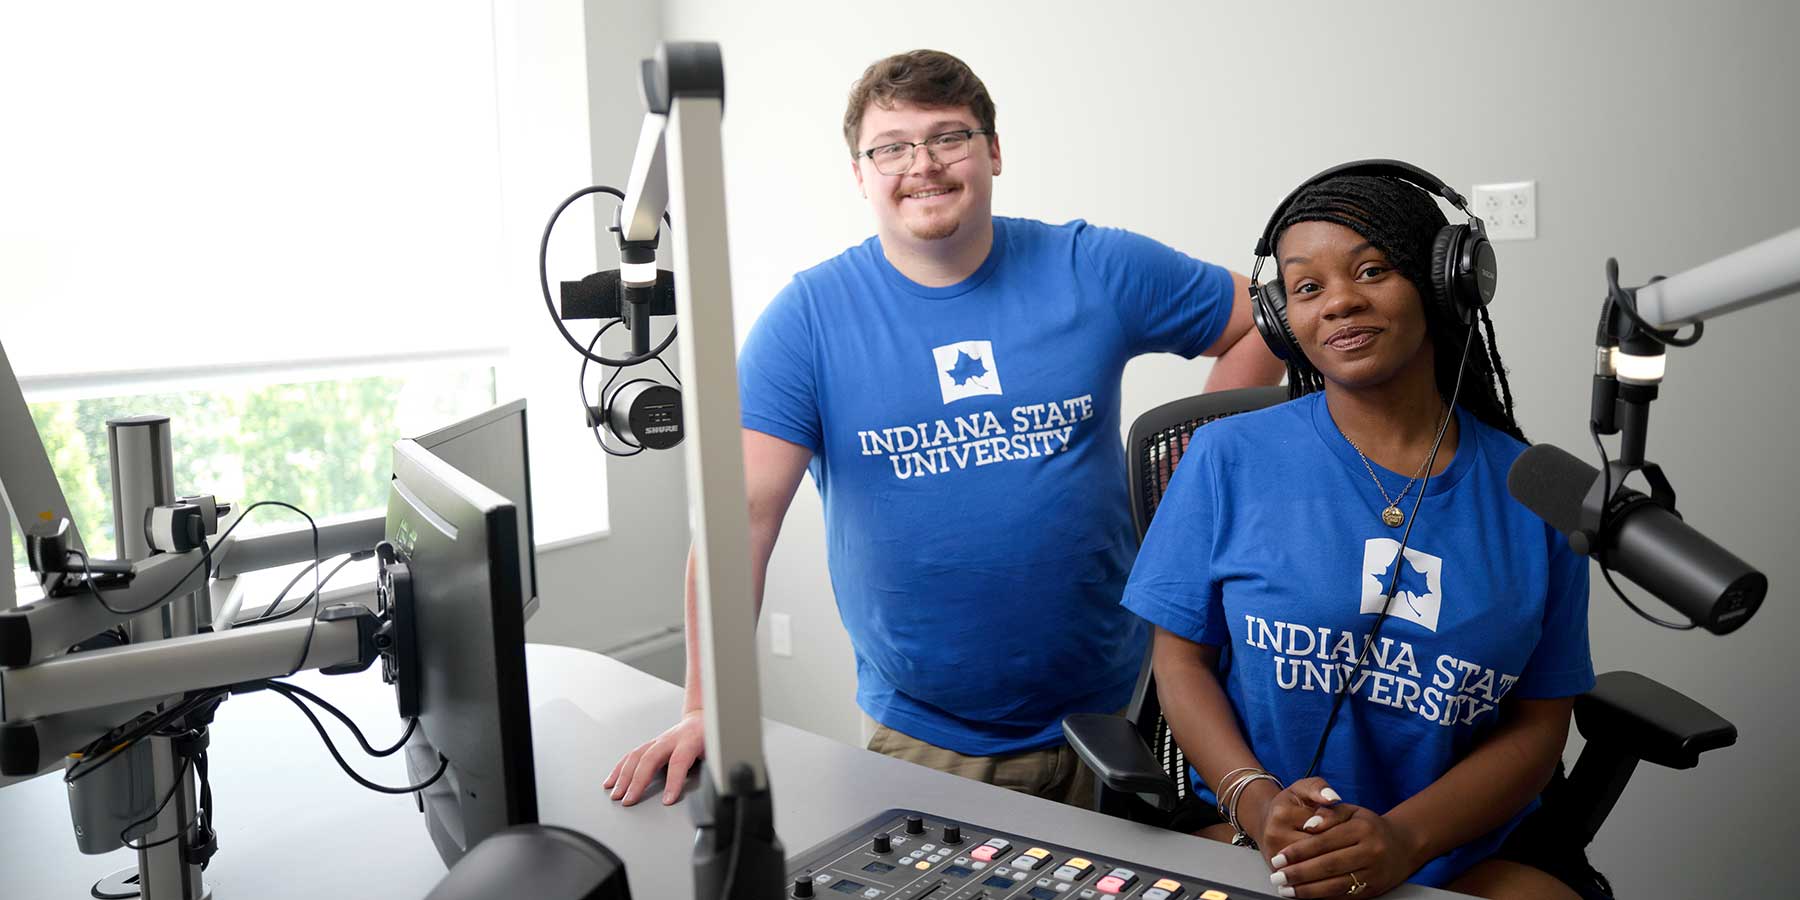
[[323, 446]]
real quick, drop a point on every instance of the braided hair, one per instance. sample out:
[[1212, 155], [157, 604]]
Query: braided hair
[[1402, 221]]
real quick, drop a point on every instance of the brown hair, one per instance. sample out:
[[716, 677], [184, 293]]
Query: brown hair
[[930, 78]]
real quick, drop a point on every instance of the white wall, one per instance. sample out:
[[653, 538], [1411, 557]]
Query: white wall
[[1659, 132]]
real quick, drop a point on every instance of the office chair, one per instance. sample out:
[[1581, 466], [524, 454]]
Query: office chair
[[1141, 774]]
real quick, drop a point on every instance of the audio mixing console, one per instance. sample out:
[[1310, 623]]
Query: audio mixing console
[[907, 855]]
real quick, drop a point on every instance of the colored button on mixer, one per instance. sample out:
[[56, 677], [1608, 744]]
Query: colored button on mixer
[[991, 850]]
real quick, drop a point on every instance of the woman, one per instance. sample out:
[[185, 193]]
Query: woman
[[1273, 555]]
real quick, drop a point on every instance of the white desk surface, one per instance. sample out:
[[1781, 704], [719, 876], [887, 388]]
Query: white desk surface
[[292, 826]]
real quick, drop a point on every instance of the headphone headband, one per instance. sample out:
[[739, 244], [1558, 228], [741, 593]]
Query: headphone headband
[[1392, 168]]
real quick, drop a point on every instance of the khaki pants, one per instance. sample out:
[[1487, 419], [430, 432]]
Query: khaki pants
[[1054, 773]]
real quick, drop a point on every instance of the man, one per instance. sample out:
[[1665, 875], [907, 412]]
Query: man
[[953, 385]]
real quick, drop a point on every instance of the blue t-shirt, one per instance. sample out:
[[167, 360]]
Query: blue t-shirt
[[1269, 544], [966, 445]]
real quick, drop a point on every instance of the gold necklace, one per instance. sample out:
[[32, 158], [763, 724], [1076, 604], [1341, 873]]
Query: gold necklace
[[1392, 517]]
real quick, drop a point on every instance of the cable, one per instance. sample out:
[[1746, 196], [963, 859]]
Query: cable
[[305, 710], [604, 403], [282, 595], [269, 615], [737, 842], [180, 779], [544, 282], [202, 813], [581, 383], [1623, 300], [1605, 504], [202, 769], [659, 361], [1344, 688], [606, 389], [155, 723], [282, 687], [205, 560]]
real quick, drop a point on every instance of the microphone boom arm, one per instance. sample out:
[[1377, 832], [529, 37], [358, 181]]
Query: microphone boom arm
[[1759, 273]]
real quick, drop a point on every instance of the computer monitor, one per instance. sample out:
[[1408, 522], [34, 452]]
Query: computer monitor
[[456, 581], [491, 448]]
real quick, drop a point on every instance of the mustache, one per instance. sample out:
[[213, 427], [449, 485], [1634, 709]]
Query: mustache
[[928, 186]]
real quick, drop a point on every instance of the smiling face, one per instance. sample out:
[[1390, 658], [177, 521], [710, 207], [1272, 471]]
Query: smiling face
[[930, 201], [1359, 321]]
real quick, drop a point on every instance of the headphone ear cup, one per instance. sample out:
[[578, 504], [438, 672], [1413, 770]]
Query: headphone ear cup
[[1446, 266], [1480, 270], [1268, 308]]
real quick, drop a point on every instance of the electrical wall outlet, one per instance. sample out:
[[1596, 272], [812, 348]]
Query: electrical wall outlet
[[781, 634], [1508, 211]]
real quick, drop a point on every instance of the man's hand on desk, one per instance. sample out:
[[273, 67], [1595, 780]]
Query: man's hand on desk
[[675, 750]]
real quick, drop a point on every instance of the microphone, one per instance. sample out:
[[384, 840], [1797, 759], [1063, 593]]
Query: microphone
[[1641, 540]]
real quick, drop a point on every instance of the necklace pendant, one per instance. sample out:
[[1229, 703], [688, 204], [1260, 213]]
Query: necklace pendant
[[1392, 517]]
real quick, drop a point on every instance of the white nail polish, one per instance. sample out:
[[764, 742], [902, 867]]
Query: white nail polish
[[1286, 892], [1312, 823], [1280, 861], [1330, 795], [1278, 879]]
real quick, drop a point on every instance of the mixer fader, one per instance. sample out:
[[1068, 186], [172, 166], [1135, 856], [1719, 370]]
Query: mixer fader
[[907, 855]]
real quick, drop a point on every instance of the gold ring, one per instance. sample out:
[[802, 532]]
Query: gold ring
[[1356, 885]]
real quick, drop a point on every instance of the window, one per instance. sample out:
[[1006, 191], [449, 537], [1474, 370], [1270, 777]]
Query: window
[[323, 445], [278, 224]]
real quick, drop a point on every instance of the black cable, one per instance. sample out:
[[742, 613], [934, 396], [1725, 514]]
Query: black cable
[[1623, 301], [605, 389], [581, 383], [282, 595], [659, 361], [82, 768], [544, 282], [339, 758], [180, 778], [737, 843], [1605, 503], [282, 687], [205, 560], [202, 770], [202, 811], [1387, 604], [606, 403], [269, 615]]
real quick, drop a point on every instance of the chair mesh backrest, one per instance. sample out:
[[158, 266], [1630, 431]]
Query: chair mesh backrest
[[1161, 452], [1158, 439]]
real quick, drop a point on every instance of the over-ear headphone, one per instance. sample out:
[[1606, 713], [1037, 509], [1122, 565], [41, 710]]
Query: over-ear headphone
[[1463, 270]]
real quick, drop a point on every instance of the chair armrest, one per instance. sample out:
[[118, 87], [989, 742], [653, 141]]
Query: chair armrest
[[1112, 748], [1644, 718]]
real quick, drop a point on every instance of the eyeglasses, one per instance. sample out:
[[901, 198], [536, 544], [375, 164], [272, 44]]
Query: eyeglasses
[[944, 149]]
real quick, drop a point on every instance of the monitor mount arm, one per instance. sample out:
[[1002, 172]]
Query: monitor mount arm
[[117, 641]]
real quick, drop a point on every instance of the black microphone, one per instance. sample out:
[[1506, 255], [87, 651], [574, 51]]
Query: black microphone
[[1642, 541]]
